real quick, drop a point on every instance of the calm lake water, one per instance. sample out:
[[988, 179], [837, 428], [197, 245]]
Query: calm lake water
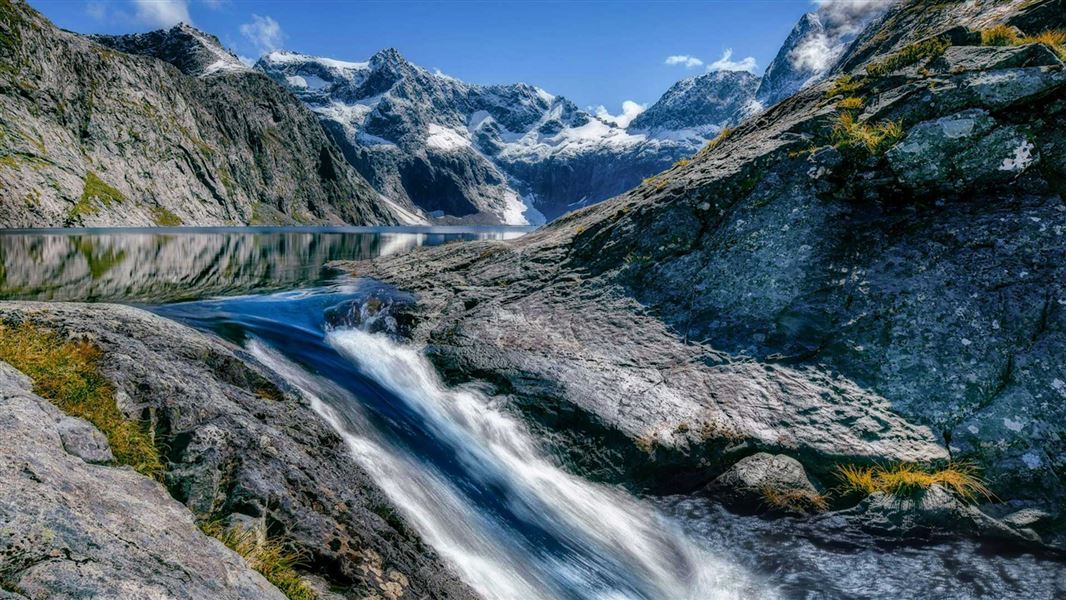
[[156, 266], [463, 469]]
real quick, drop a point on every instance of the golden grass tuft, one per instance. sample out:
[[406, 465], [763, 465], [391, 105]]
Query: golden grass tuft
[[68, 373], [722, 136], [909, 479], [850, 103], [874, 138], [1000, 35], [268, 557], [844, 85], [1003, 35], [908, 56], [799, 501]]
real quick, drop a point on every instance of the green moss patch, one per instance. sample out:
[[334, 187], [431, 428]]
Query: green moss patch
[[165, 218], [94, 189], [908, 56], [68, 373]]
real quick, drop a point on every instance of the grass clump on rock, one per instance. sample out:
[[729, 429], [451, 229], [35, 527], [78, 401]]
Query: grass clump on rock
[[268, 557], [97, 188], [849, 133], [1004, 35], [904, 480], [908, 56], [67, 372], [794, 501]]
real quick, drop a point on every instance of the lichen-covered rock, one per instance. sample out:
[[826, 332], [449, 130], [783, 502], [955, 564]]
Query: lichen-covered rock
[[962, 150], [69, 529], [934, 511], [239, 448], [84, 440]]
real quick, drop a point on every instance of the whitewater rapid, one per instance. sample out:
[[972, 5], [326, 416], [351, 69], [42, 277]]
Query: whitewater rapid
[[553, 535]]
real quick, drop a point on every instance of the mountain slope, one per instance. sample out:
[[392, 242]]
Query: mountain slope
[[94, 136], [872, 281]]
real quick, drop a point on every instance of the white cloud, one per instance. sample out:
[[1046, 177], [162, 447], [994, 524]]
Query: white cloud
[[215, 4], [161, 13], [264, 33], [815, 53], [630, 110], [683, 59], [96, 10], [843, 17], [726, 63]]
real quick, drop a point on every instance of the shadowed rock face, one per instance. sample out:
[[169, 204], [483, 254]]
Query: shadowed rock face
[[95, 136], [236, 448], [781, 294]]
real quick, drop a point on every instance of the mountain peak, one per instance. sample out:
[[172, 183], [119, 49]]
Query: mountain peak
[[387, 57], [192, 51], [708, 101]]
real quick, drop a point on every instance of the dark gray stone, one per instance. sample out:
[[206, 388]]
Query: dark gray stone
[[766, 482]]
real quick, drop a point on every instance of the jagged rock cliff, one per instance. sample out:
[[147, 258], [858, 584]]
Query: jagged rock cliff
[[94, 136], [872, 270]]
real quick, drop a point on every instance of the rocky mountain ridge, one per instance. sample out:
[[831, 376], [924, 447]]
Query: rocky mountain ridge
[[517, 154], [97, 136]]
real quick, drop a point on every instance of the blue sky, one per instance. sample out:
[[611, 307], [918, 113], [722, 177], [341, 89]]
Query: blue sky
[[593, 52]]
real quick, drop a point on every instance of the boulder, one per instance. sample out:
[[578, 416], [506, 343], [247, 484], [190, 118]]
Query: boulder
[[767, 482], [935, 511], [82, 439]]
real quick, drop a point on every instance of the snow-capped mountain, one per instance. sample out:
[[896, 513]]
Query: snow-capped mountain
[[701, 106], [814, 46], [517, 154], [498, 153]]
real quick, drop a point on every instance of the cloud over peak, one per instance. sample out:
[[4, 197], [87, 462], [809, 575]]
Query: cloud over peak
[[264, 33], [630, 111], [684, 60], [726, 63]]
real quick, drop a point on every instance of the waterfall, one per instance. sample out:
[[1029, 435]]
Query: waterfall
[[546, 533]]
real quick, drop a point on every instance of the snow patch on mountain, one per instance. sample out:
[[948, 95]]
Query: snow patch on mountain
[[446, 139]]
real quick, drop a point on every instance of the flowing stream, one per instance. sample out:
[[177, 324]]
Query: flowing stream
[[470, 477]]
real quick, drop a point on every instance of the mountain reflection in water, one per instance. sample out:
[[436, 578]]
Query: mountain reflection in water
[[123, 265]]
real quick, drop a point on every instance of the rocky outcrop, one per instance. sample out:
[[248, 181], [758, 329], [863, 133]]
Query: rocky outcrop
[[96, 136], [70, 527], [238, 446], [803, 287]]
